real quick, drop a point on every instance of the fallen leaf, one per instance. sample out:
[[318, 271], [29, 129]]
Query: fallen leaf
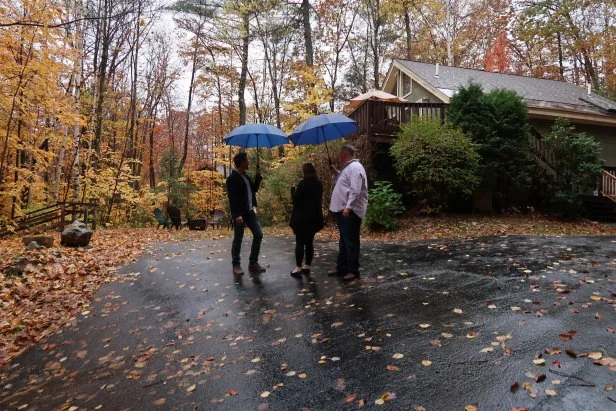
[[471, 407], [447, 335], [518, 409], [232, 392], [514, 308], [397, 356], [514, 387], [426, 363], [336, 324], [302, 376], [595, 355], [457, 310], [551, 392], [539, 361], [424, 326], [392, 368], [191, 388], [265, 394], [160, 401], [349, 399], [487, 349], [571, 353], [540, 378]]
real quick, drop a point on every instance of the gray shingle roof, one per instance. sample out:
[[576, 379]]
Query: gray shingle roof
[[530, 88]]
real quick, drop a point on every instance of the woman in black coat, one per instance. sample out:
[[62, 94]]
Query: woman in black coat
[[306, 217]]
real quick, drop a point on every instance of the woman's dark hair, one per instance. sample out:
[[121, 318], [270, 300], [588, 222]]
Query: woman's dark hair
[[309, 170]]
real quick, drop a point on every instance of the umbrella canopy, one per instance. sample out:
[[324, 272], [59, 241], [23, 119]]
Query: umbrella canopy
[[374, 95], [257, 135], [323, 128]]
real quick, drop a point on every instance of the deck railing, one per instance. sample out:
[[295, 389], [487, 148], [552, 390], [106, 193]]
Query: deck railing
[[56, 216], [381, 120], [608, 185]]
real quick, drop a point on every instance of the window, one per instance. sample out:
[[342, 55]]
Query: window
[[407, 85]]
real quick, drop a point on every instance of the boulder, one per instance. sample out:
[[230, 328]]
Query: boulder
[[76, 235], [33, 245], [43, 240]]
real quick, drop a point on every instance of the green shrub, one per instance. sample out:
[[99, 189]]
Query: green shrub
[[274, 196], [498, 123], [439, 161], [578, 167], [384, 204]]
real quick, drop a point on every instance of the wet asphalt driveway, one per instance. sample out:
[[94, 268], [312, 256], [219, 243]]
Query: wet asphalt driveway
[[495, 322]]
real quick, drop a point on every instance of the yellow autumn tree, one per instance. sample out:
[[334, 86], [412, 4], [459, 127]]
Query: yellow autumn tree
[[35, 109]]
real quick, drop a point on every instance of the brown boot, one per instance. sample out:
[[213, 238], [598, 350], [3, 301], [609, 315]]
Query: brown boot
[[237, 270], [256, 268]]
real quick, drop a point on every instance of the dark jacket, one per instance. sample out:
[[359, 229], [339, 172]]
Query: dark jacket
[[238, 193], [307, 214]]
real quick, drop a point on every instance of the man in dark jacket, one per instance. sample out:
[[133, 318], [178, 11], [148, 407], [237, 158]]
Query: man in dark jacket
[[241, 191]]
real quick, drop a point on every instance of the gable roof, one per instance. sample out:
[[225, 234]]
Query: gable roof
[[537, 92]]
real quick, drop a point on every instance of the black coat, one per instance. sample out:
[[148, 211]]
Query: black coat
[[307, 214], [238, 193]]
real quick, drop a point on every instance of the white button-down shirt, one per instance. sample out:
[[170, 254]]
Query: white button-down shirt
[[351, 189]]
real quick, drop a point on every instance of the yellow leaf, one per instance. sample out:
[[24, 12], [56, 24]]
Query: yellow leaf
[[191, 388], [457, 310], [471, 407], [397, 356], [265, 394], [551, 392], [539, 361], [595, 355], [426, 363], [424, 326]]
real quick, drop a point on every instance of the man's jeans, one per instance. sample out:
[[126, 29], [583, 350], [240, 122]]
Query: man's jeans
[[252, 222], [348, 245]]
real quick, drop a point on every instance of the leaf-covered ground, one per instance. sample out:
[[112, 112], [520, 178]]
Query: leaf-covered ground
[[491, 323], [59, 282]]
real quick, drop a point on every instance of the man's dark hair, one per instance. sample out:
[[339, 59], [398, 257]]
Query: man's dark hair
[[239, 158]]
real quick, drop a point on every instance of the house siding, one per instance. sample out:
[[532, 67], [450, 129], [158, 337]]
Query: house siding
[[605, 136], [418, 92]]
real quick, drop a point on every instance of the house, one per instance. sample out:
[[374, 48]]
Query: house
[[429, 87]]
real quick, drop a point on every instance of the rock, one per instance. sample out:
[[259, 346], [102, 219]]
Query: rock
[[76, 235], [42, 240], [33, 245]]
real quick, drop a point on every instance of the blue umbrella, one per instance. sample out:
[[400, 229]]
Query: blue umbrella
[[256, 135], [323, 128]]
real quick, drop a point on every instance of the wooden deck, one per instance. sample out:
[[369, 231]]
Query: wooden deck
[[380, 120]]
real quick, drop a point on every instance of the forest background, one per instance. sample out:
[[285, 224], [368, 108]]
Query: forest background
[[125, 102]]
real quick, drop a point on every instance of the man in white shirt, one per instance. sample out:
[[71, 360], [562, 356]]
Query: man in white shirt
[[349, 204]]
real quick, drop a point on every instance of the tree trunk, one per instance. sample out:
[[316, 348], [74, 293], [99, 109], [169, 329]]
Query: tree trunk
[[307, 32], [190, 96], [407, 30], [75, 167], [102, 79], [244, 71], [132, 137]]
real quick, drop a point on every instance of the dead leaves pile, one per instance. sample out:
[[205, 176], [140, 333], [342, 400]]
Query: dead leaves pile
[[58, 283]]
